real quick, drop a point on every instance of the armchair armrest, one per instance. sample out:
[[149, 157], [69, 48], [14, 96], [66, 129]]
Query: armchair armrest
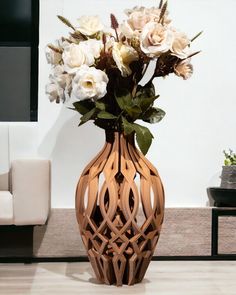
[[31, 191]]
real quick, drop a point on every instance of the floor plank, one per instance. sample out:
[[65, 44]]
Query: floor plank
[[163, 277]]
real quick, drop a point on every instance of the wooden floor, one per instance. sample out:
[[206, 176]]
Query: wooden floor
[[163, 277]]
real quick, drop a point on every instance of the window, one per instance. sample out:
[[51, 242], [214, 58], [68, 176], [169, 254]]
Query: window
[[19, 31]]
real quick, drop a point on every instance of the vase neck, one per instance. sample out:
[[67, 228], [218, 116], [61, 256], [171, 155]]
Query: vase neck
[[112, 137]]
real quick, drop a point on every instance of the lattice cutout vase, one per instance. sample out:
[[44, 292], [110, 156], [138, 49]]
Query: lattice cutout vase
[[120, 210]]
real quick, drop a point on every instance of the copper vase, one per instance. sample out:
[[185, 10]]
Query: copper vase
[[120, 210]]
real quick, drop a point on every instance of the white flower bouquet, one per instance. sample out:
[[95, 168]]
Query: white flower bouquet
[[101, 68]]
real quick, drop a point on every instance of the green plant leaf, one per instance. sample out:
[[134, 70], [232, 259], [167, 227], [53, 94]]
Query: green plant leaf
[[133, 111], [106, 115], [147, 90], [88, 116], [105, 124], [100, 105], [153, 115], [123, 99], [145, 102], [84, 106], [128, 127], [144, 138], [145, 97], [143, 135]]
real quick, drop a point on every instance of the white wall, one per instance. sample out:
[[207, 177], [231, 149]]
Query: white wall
[[200, 120]]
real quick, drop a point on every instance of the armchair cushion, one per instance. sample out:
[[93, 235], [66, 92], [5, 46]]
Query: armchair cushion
[[31, 191], [6, 208]]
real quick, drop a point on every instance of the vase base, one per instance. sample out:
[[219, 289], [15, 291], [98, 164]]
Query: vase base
[[119, 270]]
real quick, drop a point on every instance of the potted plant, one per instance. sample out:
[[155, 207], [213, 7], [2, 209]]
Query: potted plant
[[225, 195], [228, 176]]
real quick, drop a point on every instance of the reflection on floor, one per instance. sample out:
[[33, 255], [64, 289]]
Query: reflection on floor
[[163, 277]]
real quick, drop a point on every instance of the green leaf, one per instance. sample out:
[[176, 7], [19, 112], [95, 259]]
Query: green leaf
[[145, 96], [105, 124], [88, 116], [145, 102], [153, 115], [84, 106], [106, 115], [133, 111], [123, 99], [128, 127], [144, 138], [100, 105], [73, 109], [143, 135], [147, 90]]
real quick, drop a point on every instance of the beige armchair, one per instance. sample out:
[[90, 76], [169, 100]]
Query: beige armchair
[[25, 195]]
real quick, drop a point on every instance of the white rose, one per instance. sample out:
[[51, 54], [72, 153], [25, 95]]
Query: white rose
[[155, 39], [75, 55], [184, 69], [138, 18], [53, 57], [55, 92], [123, 55], [132, 27], [180, 45], [60, 77], [89, 83], [89, 25], [92, 46]]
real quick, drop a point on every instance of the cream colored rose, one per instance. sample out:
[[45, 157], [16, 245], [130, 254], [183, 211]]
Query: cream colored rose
[[133, 26], [60, 77], [89, 25], [141, 15], [155, 39], [75, 55], [93, 46], [184, 69], [89, 83], [53, 57], [55, 92], [138, 18], [180, 45], [123, 55]]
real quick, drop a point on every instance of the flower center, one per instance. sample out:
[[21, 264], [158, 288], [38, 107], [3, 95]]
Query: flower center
[[88, 84], [156, 37]]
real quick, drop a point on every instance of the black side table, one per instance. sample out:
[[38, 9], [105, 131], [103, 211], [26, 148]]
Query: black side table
[[216, 212]]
